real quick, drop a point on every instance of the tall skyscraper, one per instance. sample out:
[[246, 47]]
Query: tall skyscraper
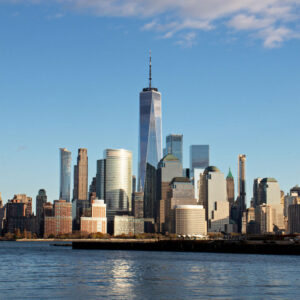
[[242, 181], [174, 145], [65, 174], [81, 176], [118, 181], [230, 187], [199, 157], [41, 199], [100, 179], [150, 131]]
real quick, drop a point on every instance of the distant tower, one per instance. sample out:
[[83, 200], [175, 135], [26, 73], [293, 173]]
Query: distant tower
[[150, 131], [65, 174], [1, 203], [81, 176], [174, 145], [242, 182], [230, 187]]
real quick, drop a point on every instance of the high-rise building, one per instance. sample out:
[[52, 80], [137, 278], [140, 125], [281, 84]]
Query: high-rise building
[[294, 216], [230, 188], [213, 197], [81, 176], [100, 179], [174, 145], [118, 181], [199, 158], [242, 181], [41, 199], [169, 167], [1, 202], [257, 193], [150, 131], [65, 174]]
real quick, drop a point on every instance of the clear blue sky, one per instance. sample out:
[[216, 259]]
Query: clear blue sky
[[71, 73]]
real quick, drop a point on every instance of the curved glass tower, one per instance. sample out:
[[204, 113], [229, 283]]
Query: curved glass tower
[[65, 174], [150, 131]]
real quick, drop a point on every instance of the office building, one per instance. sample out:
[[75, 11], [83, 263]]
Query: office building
[[199, 158], [118, 181], [41, 199], [242, 182], [181, 193], [190, 220], [65, 174], [174, 146], [100, 179], [257, 193], [294, 216], [81, 176], [61, 220], [150, 131], [213, 197], [230, 188], [128, 225], [169, 167], [97, 221], [138, 205]]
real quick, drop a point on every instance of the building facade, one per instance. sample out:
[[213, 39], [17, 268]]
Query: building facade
[[65, 174], [97, 222], [230, 188], [81, 176], [61, 220], [41, 199], [199, 158]]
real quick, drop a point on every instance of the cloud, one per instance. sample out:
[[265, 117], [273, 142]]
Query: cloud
[[272, 21]]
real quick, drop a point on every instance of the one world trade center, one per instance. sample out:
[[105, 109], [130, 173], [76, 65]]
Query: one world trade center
[[150, 131]]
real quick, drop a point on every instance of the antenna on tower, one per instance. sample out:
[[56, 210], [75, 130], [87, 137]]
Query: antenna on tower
[[150, 78]]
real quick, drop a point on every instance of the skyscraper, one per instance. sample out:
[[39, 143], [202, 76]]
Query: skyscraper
[[199, 157], [118, 181], [150, 131], [230, 187], [242, 181], [65, 174], [81, 176], [174, 145], [100, 179], [41, 199], [213, 197]]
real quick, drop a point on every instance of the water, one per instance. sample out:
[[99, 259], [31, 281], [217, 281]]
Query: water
[[39, 271]]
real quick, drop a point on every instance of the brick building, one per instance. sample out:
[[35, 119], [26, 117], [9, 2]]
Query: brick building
[[97, 221], [61, 220]]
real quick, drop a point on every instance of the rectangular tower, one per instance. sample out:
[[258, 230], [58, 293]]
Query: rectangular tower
[[174, 145], [65, 174]]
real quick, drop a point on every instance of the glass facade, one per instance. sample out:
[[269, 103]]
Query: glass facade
[[150, 132], [65, 174], [174, 145], [199, 157], [100, 179], [118, 181]]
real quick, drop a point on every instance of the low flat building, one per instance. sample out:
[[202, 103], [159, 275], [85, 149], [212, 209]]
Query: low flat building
[[190, 220], [128, 225]]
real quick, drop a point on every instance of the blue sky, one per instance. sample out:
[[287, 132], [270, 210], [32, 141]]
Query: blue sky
[[71, 72]]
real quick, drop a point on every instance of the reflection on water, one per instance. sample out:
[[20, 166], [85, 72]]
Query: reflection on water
[[39, 271]]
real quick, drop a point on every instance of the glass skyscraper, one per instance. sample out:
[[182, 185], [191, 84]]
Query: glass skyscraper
[[174, 145], [199, 157], [65, 174], [150, 131]]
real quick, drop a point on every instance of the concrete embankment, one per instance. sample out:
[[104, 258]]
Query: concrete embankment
[[217, 246]]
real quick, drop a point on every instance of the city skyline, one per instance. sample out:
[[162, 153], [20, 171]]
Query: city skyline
[[226, 95]]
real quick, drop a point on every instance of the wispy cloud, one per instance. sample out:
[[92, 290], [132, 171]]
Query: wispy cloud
[[272, 21]]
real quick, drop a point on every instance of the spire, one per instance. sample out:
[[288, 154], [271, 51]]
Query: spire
[[229, 174], [150, 78]]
